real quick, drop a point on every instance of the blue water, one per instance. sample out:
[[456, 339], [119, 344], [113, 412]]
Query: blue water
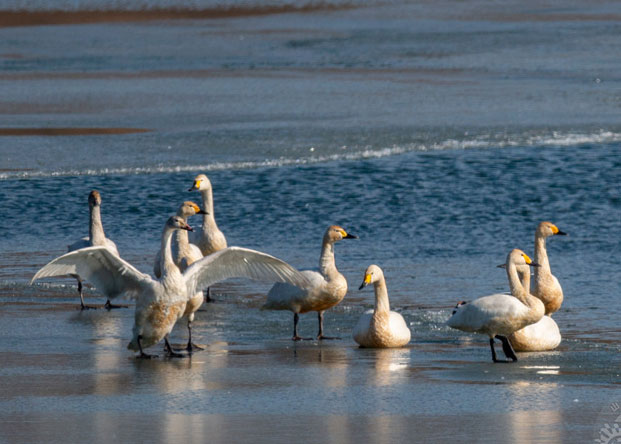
[[440, 133]]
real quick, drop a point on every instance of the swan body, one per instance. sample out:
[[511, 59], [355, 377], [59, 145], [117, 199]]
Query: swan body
[[185, 254], [160, 303], [327, 286], [96, 237], [209, 238], [499, 315], [540, 336], [545, 285], [380, 327]]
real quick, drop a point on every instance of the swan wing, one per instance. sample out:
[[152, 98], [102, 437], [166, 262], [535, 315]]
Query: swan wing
[[477, 315], [112, 275], [284, 296], [239, 262]]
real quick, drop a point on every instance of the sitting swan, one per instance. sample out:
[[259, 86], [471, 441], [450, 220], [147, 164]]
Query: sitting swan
[[545, 334], [546, 287], [185, 254], [209, 238], [380, 327], [96, 237], [328, 286], [160, 303], [499, 315]]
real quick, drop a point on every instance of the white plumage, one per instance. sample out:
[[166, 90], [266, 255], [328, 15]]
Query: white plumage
[[96, 237], [160, 303], [208, 238], [499, 315], [327, 286], [380, 327]]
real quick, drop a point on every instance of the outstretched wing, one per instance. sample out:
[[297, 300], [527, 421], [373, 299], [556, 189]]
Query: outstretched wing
[[111, 275], [240, 262]]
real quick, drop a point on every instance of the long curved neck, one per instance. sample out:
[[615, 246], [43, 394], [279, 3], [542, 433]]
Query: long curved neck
[[95, 231], [166, 260], [208, 219], [522, 293], [382, 305], [541, 256], [327, 265]]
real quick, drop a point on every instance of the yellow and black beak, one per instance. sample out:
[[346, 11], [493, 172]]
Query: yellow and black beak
[[366, 281], [195, 186], [529, 261], [350, 236]]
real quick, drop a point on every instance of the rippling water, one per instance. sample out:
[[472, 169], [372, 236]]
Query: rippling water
[[440, 133]]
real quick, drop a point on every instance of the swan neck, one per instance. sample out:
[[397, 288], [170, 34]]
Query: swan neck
[[541, 255], [207, 204], [382, 305], [327, 265], [522, 293], [166, 260], [96, 232]]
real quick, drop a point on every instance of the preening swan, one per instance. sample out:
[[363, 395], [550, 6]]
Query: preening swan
[[499, 315], [209, 238], [185, 254], [160, 303], [380, 327], [327, 286], [96, 237], [545, 285]]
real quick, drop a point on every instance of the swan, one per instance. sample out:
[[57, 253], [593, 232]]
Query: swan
[[327, 286], [96, 237], [545, 285], [185, 254], [499, 315], [380, 327], [545, 334], [209, 238], [160, 303]]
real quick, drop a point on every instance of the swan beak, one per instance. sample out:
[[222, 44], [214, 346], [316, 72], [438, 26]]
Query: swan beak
[[350, 236], [560, 233], [187, 227], [367, 281], [195, 186], [201, 211], [501, 266], [534, 264]]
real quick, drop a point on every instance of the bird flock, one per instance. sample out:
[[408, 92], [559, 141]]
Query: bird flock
[[190, 261]]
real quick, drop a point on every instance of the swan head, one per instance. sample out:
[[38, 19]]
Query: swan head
[[188, 209], [520, 259], [94, 199], [547, 229], [201, 183], [334, 233], [372, 275], [177, 223]]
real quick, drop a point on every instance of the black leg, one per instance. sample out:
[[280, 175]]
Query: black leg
[[507, 348], [83, 306], [207, 296], [143, 355], [191, 346], [320, 335], [108, 306], [494, 358], [296, 318], [170, 352]]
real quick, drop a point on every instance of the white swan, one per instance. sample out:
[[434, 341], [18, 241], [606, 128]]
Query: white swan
[[160, 303], [380, 327], [209, 238], [545, 334], [545, 285], [499, 315], [328, 286], [96, 237], [185, 254]]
